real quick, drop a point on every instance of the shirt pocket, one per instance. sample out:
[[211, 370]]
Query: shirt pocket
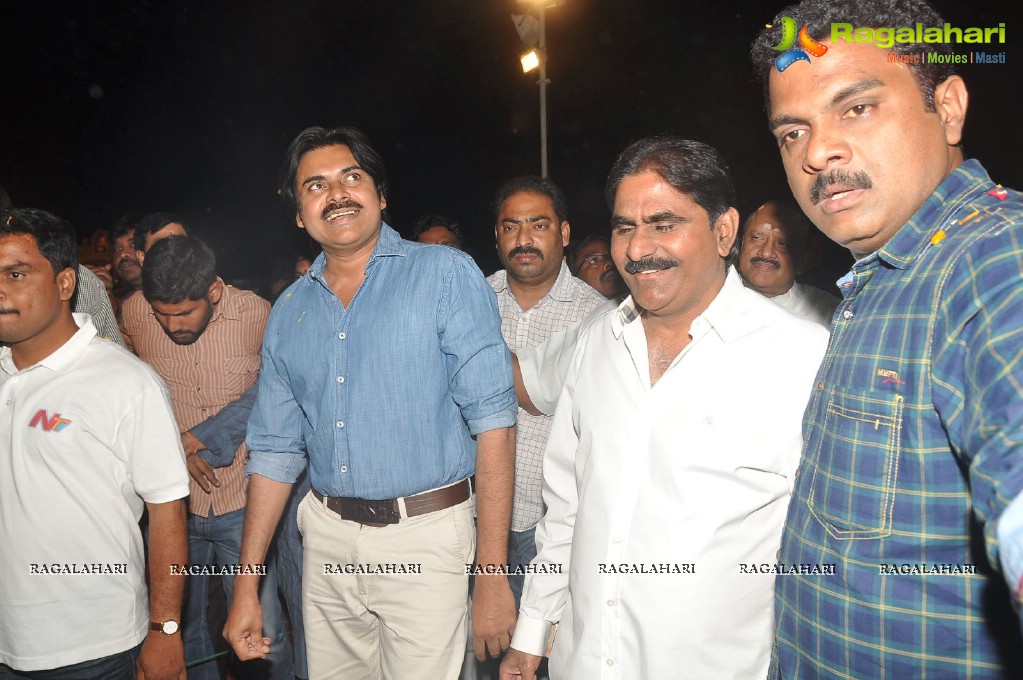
[[855, 466]]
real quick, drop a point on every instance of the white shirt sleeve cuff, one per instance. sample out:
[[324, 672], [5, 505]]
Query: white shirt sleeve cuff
[[531, 635]]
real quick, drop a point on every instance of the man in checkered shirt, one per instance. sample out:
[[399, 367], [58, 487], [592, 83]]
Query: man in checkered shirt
[[913, 434], [537, 297]]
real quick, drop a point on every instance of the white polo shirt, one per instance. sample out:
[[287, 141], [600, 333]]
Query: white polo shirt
[[87, 437]]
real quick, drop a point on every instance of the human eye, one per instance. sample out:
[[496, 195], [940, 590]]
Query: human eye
[[858, 110], [315, 186], [623, 229], [353, 177], [789, 136], [16, 275]]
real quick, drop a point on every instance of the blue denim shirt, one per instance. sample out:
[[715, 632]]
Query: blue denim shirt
[[388, 394]]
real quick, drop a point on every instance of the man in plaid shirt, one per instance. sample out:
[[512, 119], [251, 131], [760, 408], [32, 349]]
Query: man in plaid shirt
[[537, 297], [913, 435]]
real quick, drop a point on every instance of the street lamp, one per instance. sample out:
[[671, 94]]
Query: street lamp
[[533, 31]]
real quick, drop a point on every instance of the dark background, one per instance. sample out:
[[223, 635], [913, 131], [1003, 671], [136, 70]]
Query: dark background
[[115, 107]]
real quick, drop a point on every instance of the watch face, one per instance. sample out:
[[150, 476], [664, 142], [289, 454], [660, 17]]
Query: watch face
[[170, 627]]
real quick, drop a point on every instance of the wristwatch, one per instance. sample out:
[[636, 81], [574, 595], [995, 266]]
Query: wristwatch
[[166, 627]]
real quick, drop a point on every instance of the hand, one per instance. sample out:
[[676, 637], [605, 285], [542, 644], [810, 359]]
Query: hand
[[103, 274], [244, 628], [162, 658], [190, 443], [518, 664], [201, 471], [493, 616]]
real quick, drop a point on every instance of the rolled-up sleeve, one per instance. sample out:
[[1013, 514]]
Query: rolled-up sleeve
[[274, 437], [478, 360]]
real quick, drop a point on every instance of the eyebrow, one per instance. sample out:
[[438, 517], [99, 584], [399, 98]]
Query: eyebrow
[[16, 265], [665, 216], [316, 178], [534, 218], [856, 88]]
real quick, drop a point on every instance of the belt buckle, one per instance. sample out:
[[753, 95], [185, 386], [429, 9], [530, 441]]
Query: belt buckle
[[376, 512]]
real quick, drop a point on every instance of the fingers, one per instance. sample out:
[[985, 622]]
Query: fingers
[[202, 472], [249, 645]]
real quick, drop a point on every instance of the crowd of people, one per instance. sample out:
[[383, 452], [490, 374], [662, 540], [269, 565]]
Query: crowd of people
[[645, 454]]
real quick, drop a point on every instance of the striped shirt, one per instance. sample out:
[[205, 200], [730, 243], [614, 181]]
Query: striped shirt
[[912, 451], [206, 376], [567, 302]]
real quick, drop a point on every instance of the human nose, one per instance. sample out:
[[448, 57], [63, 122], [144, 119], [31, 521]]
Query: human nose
[[824, 148], [769, 248], [640, 245]]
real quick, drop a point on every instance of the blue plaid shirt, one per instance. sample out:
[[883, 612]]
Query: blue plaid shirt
[[913, 441], [388, 394]]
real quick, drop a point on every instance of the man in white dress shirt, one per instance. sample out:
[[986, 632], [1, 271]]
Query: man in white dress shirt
[[776, 244], [666, 487]]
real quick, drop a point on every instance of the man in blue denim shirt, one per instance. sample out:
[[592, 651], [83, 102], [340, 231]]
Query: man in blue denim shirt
[[386, 363], [913, 435]]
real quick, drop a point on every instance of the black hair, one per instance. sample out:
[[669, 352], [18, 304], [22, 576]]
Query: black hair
[[691, 168], [5, 199], [150, 224], [54, 236], [818, 15], [178, 268], [533, 185], [123, 225], [426, 222], [317, 138], [573, 250]]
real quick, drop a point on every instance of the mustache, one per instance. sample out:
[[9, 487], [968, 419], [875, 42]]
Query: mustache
[[649, 264], [525, 250], [858, 180], [331, 207], [611, 273], [774, 263], [127, 261], [8, 310]]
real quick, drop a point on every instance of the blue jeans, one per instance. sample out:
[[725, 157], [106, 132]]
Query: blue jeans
[[521, 551], [289, 570], [217, 541], [120, 666]]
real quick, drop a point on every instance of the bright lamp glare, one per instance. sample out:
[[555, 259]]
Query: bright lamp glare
[[530, 60]]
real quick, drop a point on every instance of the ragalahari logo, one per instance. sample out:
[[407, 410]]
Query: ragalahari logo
[[54, 424], [789, 54]]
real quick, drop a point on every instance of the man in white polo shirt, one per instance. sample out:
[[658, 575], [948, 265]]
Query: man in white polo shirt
[[78, 462]]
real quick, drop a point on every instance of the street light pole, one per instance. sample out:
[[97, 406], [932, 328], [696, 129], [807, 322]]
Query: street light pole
[[543, 94]]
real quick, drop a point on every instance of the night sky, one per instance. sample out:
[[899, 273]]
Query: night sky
[[109, 108]]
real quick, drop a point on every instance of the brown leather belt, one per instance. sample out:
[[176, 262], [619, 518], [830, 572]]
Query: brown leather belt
[[382, 513]]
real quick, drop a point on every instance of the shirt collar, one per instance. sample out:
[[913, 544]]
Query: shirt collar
[[65, 355], [963, 185], [389, 243], [226, 307], [721, 314]]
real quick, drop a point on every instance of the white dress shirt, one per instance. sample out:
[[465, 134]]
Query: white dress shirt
[[691, 476], [808, 302]]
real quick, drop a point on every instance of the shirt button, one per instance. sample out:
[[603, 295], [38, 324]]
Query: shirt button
[[341, 336], [344, 468], [847, 314], [610, 662], [340, 423], [198, 389], [617, 539], [341, 379], [610, 603]]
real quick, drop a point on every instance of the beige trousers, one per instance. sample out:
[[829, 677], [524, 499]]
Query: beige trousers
[[385, 626]]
